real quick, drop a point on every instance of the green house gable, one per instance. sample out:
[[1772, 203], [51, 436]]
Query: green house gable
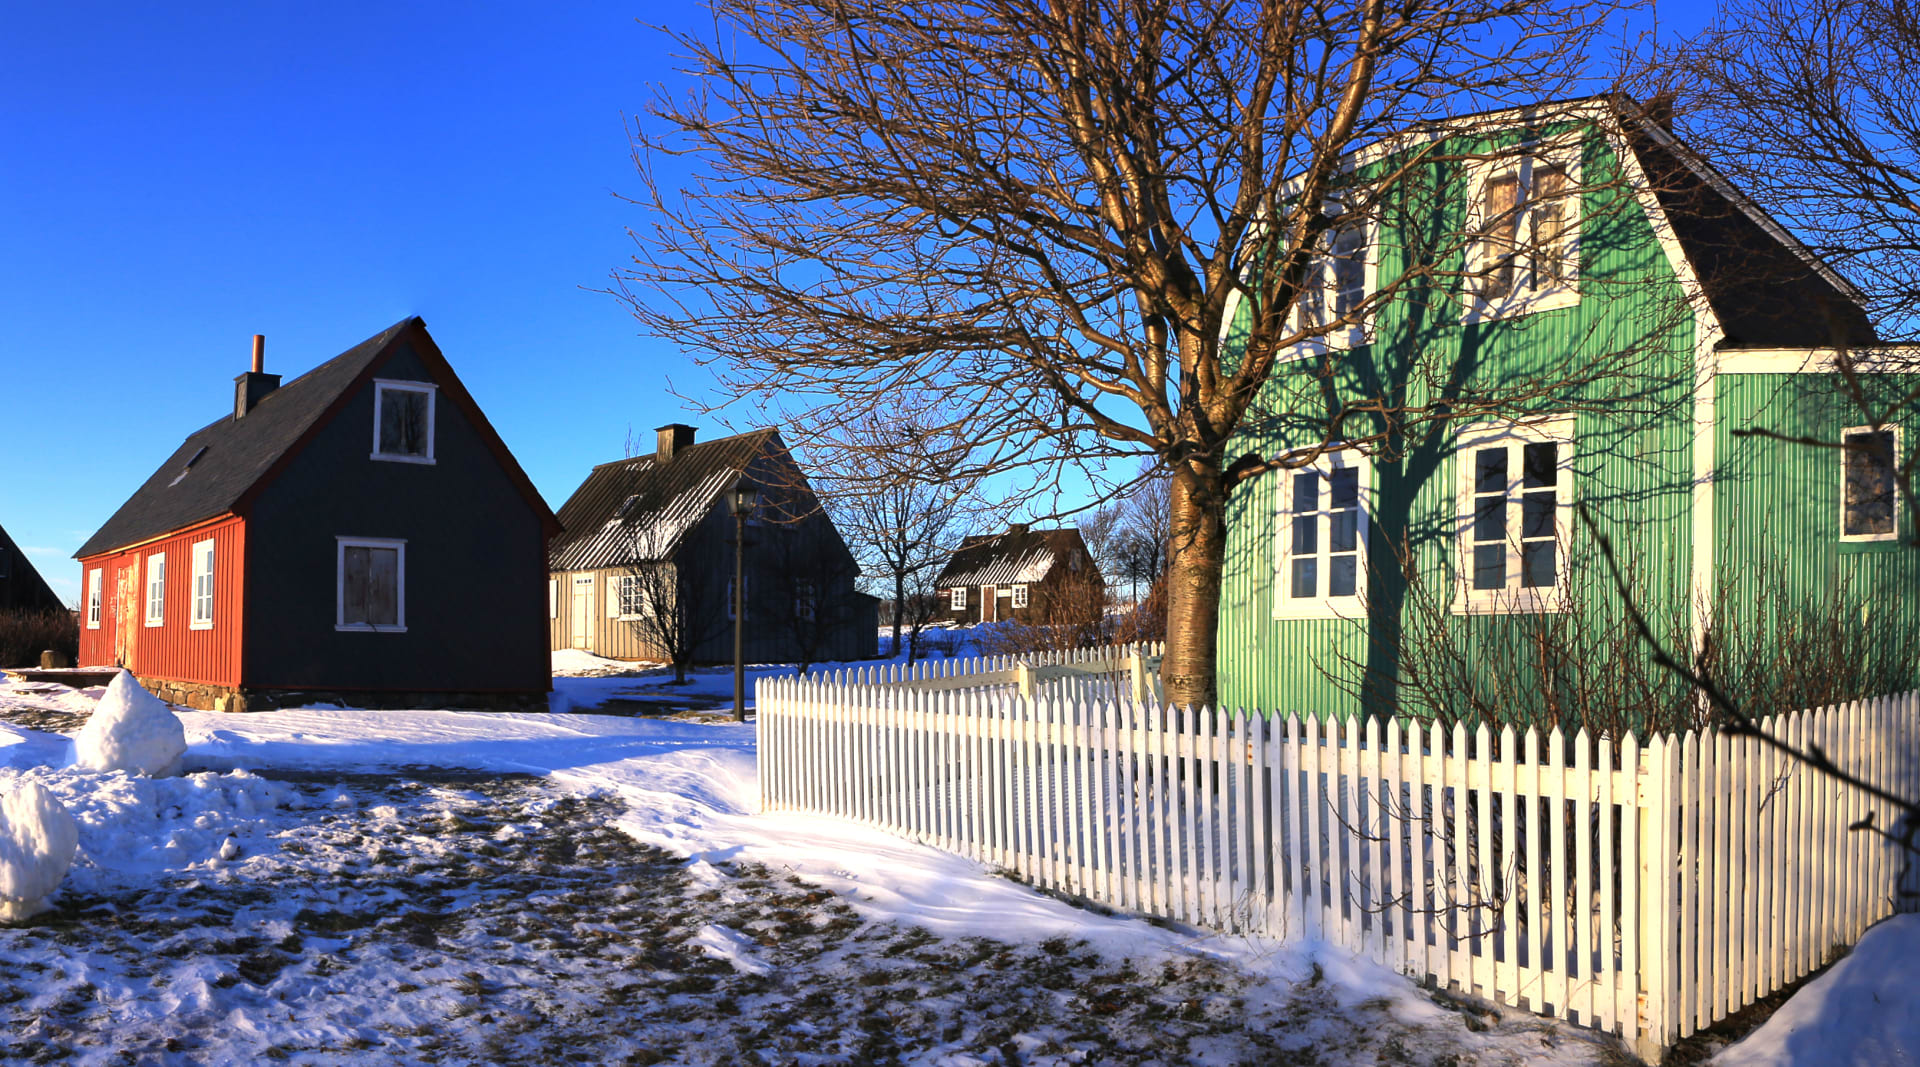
[[1541, 332]]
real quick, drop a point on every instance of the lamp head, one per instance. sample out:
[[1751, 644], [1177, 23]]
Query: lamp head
[[742, 497]]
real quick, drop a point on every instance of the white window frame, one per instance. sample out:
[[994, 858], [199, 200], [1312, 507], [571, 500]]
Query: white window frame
[[1324, 280], [1894, 534], [156, 586], [1513, 598], [957, 598], [341, 544], [93, 598], [1321, 605], [1522, 162], [553, 598], [623, 588], [1020, 595], [380, 388], [201, 590]]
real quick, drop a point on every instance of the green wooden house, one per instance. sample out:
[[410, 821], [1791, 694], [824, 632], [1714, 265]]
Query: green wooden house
[[1608, 322]]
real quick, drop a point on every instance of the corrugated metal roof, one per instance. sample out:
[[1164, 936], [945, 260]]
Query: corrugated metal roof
[[638, 510], [1015, 557]]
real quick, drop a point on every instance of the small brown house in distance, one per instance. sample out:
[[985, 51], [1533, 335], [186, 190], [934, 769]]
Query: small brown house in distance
[[647, 559], [359, 535], [1015, 575]]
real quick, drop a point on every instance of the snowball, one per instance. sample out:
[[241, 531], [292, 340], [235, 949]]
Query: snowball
[[131, 730], [37, 839]]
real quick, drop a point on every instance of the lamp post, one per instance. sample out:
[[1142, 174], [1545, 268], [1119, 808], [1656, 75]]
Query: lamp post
[[740, 499]]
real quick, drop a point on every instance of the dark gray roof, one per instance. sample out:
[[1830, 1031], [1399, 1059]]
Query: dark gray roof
[[1015, 557], [638, 510], [1767, 289], [237, 452]]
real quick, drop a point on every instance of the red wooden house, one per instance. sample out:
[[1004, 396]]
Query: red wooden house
[[360, 535]]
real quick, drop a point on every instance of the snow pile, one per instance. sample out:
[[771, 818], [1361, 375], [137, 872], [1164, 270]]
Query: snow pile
[[37, 840], [131, 730], [730, 945], [1865, 1009]]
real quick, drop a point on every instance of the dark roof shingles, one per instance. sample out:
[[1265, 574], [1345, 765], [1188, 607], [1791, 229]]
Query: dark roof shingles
[[668, 499]]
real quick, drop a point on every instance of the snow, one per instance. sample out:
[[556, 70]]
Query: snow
[[428, 885], [37, 839], [131, 730], [1864, 1009]]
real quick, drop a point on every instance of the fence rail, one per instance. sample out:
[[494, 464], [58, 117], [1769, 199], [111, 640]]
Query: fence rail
[[1644, 890]]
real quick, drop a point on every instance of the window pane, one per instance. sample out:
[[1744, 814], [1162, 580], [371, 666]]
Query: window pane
[[1536, 564], [1536, 514], [1341, 574], [1305, 577], [354, 596], [1349, 270], [1499, 197], [1343, 529], [1490, 566], [1489, 518], [383, 586], [1547, 223], [1490, 470], [1343, 488], [1870, 483], [403, 422], [1538, 465], [1306, 492], [1306, 529]]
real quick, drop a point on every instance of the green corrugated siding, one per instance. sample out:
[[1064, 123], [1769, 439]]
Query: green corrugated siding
[[1633, 461]]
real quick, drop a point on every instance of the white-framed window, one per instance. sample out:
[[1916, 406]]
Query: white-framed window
[[805, 600], [1020, 595], [157, 589], [630, 596], [553, 598], [371, 591], [1336, 285], [403, 421], [1320, 560], [957, 598], [93, 599], [1524, 215], [1869, 499], [202, 617], [1515, 516]]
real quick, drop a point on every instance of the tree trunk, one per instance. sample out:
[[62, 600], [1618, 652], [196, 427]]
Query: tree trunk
[[1197, 552], [899, 605]]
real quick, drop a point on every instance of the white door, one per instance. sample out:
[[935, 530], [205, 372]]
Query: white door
[[582, 609]]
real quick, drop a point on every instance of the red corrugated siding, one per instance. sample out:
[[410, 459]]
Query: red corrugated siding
[[174, 651]]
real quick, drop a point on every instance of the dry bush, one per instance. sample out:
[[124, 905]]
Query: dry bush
[[27, 632], [1072, 614]]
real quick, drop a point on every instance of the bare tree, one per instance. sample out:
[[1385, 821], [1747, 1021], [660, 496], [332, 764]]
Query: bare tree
[[673, 610], [1045, 217], [903, 524]]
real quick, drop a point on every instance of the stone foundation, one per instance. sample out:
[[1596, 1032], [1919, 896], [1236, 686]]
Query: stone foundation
[[205, 697]]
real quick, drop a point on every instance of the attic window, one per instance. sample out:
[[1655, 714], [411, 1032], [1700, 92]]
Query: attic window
[[403, 421], [188, 467], [1524, 212]]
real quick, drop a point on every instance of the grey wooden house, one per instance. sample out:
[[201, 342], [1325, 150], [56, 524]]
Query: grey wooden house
[[647, 559], [21, 587]]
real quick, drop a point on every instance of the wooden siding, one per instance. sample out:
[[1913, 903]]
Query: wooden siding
[[173, 651], [1632, 448]]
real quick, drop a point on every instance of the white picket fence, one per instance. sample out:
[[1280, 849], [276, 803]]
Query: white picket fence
[[1132, 669], [1644, 890]]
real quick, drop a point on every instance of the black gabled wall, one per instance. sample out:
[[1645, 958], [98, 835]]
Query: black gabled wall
[[476, 578]]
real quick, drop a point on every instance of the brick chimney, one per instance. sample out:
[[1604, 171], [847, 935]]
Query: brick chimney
[[674, 436], [248, 388], [1019, 527]]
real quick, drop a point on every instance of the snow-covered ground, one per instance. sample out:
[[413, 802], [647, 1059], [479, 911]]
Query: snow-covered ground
[[330, 885]]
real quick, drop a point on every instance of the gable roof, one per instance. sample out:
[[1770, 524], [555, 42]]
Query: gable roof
[[20, 582], [1015, 557], [638, 510], [1766, 288], [222, 466]]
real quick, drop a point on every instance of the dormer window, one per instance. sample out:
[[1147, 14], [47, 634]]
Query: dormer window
[[403, 421], [1525, 218], [1334, 289]]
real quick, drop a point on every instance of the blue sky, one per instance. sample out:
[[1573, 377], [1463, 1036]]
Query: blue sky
[[177, 178]]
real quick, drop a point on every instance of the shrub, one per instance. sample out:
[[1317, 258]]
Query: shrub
[[26, 632]]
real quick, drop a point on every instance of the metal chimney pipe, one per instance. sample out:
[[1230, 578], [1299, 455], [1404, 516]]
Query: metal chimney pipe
[[259, 353]]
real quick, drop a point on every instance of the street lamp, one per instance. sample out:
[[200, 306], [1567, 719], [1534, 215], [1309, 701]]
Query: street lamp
[[741, 499]]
